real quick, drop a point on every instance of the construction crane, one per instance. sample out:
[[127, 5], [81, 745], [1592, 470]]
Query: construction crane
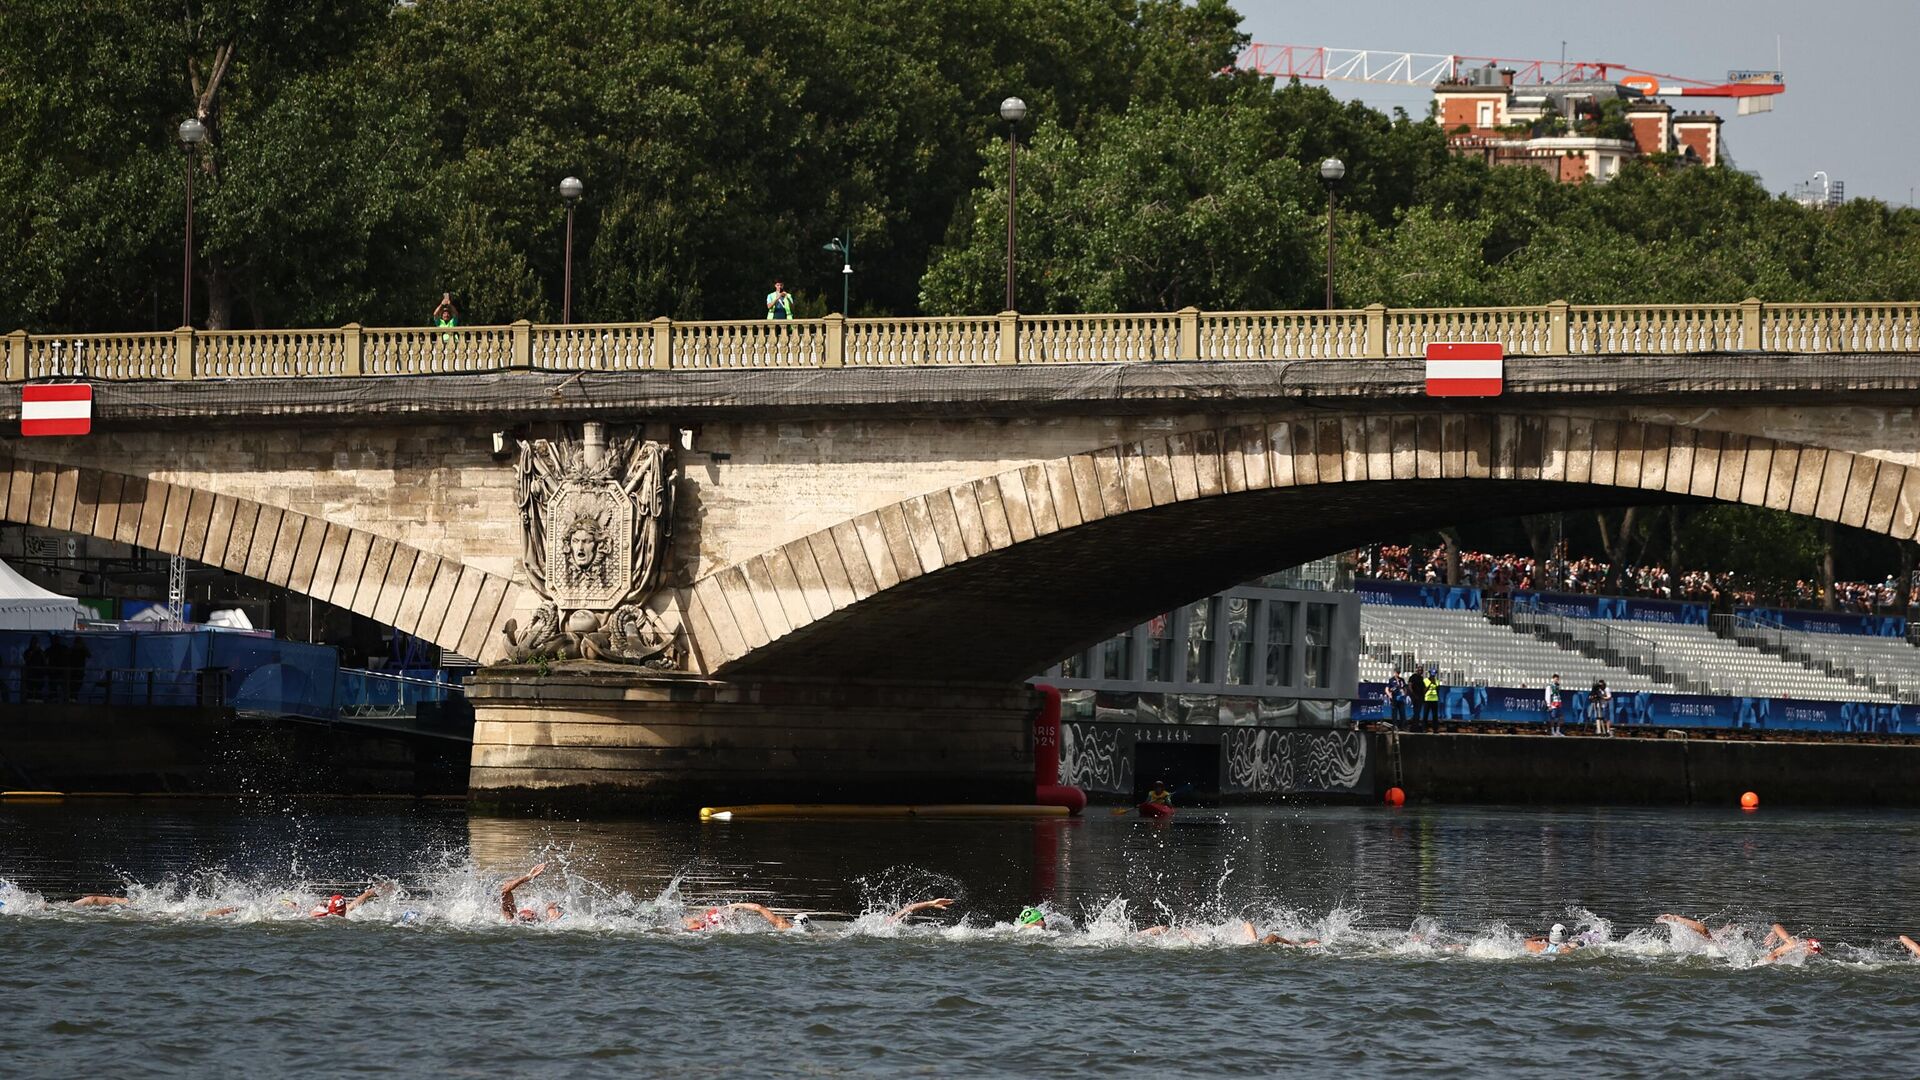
[[1753, 90]]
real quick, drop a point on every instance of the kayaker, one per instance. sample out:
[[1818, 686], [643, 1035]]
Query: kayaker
[[1159, 795]]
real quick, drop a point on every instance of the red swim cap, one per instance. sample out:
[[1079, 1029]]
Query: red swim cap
[[714, 917]]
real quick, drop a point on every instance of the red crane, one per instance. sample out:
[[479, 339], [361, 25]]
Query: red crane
[[1753, 89]]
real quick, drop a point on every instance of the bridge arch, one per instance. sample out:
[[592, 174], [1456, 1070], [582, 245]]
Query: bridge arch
[[455, 606], [994, 578]]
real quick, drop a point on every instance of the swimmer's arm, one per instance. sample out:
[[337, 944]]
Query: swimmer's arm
[[216, 912], [1151, 931], [1779, 934], [1247, 933], [1694, 925], [1912, 945], [925, 905], [364, 897], [775, 921], [507, 906], [101, 901]]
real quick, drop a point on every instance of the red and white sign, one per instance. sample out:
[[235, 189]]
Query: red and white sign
[[61, 409], [1465, 369]]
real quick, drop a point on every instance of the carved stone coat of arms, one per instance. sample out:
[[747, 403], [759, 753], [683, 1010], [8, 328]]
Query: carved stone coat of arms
[[595, 516]]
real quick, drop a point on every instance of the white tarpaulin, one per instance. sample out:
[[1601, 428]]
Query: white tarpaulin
[[26, 606]]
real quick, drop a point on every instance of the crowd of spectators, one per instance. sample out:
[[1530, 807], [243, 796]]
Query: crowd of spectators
[[1501, 573]]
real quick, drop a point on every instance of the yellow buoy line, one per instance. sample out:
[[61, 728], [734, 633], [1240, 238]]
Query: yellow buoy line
[[856, 810]]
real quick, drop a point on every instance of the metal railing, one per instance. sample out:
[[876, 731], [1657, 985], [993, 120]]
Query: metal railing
[[1374, 332]]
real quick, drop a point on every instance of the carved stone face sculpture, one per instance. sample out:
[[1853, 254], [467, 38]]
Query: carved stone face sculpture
[[583, 548]]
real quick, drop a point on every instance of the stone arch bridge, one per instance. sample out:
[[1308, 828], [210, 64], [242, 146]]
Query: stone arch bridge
[[859, 539]]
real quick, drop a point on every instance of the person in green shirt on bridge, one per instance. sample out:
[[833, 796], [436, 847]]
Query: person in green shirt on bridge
[[446, 315], [779, 302]]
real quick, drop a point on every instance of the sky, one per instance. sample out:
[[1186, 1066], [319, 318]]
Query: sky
[[1851, 107]]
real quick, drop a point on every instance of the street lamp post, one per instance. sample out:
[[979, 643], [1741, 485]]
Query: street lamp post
[[192, 134], [570, 191], [1331, 170], [843, 246], [1012, 110]]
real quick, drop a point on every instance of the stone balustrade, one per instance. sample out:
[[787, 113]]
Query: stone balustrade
[[1555, 329]]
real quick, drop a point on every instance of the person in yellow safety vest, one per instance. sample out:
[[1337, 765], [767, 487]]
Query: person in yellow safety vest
[[779, 302], [1159, 795], [1430, 702], [446, 315]]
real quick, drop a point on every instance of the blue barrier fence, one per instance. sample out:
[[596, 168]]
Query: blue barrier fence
[[1410, 594], [1827, 622], [1628, 608], [1508, 705]]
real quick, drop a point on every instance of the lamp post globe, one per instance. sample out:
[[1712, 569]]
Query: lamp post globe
[[570, 190], [1332, 171], [192, 134], [1012, 110]]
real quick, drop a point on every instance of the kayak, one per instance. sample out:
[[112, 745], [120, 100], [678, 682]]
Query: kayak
[[1155, 810]]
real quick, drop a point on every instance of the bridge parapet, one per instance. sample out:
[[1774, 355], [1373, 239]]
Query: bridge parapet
[[1374, 332]]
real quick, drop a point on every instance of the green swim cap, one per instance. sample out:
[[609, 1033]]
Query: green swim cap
[[1030, 916]]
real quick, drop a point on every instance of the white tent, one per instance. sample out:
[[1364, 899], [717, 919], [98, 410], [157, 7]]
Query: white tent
[[26, 606]]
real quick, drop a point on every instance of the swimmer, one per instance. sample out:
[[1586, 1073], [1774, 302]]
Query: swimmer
[[940, 904], [515, 913], [1912, 945], [716, 917], [1787, 945], [1303, 943], [1555, 941], [338, 904], [1030, 918], [101, 901]]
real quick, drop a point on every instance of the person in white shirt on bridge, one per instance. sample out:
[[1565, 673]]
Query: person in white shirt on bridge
[[1555, 711]]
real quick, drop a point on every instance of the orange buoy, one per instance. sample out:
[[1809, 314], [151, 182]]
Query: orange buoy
[[1749, 801], [1396, 797]]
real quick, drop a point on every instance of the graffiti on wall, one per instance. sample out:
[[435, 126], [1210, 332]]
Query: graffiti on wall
[[1265, 760], [1092, 758]]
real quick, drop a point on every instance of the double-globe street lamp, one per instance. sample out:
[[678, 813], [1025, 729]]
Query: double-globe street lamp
[[570, 191], [843, 246], [1331, 172], [1012, 110], [192, 134]]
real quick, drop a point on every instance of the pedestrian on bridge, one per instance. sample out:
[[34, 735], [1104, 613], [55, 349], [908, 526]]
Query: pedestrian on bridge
[[446, 315], [779, 302]]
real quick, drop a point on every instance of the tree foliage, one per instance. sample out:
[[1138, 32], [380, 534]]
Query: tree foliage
[[367, 155]]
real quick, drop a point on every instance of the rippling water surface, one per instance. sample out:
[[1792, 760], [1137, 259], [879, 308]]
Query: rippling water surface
[[1420, 914]]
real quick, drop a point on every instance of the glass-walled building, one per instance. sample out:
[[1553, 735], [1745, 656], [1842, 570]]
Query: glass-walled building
[[1202, 695]]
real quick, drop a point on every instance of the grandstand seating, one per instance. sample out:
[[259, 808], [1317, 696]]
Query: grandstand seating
[[1637, 656]]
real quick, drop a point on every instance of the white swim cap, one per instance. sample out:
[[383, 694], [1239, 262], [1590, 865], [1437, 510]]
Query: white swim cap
[[1558, 932]]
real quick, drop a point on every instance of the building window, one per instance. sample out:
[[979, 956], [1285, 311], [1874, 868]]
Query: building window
[[1317, 639], [1239, 638], [1200, 632], [1160, 648], [1486, 114], [1116, 657], [1279, 643], [1076, 667]]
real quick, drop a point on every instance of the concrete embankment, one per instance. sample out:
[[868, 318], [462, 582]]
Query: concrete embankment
[[1647, 771]]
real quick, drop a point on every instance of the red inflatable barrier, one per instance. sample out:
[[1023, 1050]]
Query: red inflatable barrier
[[1047, 788]]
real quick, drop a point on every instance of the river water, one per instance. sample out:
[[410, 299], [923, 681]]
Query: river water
[[1420, 912]]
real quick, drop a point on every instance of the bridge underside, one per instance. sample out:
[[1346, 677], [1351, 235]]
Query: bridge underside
[[1013, 612]]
